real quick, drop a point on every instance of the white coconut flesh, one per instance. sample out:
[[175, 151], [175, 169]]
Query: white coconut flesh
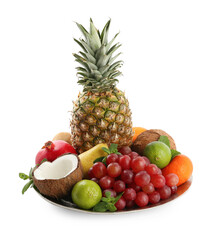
[[59, 168]]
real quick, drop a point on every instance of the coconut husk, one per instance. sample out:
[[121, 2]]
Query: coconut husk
[[59, 188], [150, 136]]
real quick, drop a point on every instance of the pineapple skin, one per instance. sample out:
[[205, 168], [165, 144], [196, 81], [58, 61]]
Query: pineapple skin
[[101, 117]]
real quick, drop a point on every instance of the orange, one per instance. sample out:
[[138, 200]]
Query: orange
[[137, 131], [182, 166]]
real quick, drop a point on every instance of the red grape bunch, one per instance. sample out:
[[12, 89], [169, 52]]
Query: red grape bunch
[[141, 182]]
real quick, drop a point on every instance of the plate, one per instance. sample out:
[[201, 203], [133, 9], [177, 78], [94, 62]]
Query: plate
[[68, 204]]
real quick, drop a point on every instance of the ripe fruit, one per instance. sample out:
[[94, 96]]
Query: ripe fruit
[[120, 204], [154, 197], [127, 176], [113, 193], [125, 150], [141, 199], [111, 158], [86, 194], [142, 178], [164, 192], [106, 182], [152, 169], [149, 188], [158, 180], [138, 164], [133, 155], [129, 194], [182, 166], [158, 153], [119, 186], [52, 150], [65, 136], [171, 179], [125, 161], [137, 131], [99, 170], [114, 169]]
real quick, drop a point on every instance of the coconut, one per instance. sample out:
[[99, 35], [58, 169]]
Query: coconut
[[55, 179], [150, 136]]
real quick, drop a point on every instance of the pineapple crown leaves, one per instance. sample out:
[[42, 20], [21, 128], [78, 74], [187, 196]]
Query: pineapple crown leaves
[[99, 70]]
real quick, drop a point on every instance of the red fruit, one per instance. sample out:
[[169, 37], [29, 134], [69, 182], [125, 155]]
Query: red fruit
[[90, 173], [133, 155], [95, 180], [138, 164], [99, 170], [142, 178], [114, 169], [154, 197], [111, 158], [119, 186], [164, 192], [129, 194], [127, 176], [158, 180], [106, 182], [134, 186], [147, 160], [125, 161], [130, 203], [149, 188], [124, 150], [171, 179], [142, 199], [120, 204], [173, 189], [152, 169], [52, 150], [113, 193]]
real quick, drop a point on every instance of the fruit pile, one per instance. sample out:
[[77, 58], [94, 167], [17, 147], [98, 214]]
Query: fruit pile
[[139, 181]]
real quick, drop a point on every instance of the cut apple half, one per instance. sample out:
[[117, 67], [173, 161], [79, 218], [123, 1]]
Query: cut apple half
[[55, 179]]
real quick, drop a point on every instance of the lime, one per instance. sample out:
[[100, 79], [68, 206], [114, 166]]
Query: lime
[[158, 153], [86, 194]]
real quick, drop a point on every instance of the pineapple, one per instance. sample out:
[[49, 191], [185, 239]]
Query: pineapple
[[101, 114]]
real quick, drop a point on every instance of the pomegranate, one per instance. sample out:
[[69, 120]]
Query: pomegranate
[[53, 149]]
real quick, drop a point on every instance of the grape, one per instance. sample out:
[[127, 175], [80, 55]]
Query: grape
[[129, 194], [99, 170], [106, 182], [95, 179], [114, 169], [113, 193], [127, 176], [120, 204], [119, 186], [147, 160], [152, 169], [125, 150], [164, 192], [138, 164], [142, 199], [173, 189], [149, 188], [171, 179], [142, 178], [133, 155], [159, 171], [111, 158], [158, 180], [154, 197], [90, 173], [130, 203], [125, 161], [134, 186]]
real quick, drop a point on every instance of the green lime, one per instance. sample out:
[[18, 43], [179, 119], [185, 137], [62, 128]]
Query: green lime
[[158, 153], [86, 194]]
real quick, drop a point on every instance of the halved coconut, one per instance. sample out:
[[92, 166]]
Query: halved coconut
[[55, 179]]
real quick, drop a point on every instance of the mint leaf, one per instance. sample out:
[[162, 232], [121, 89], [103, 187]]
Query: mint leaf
[[111, 207], [106, 150], [27, 185], [117, 198], [100, 159], [100, 207], [174, 153], [23, 176], [108, 194], [165, 140]]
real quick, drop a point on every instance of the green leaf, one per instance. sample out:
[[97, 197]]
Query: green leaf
[[108, 194], [111, 207], [23, 176], [100, 207], [174, 153], [165, 140], [27, 185], [117, 198], [100, 159], [106, 150]]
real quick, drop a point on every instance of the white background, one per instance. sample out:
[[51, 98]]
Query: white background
[[165, 53]]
